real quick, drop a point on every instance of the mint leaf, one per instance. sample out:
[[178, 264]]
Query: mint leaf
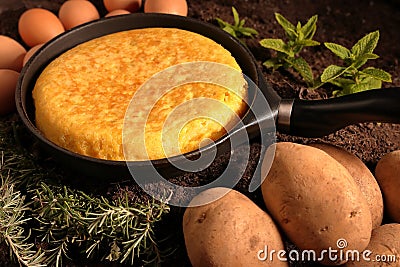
[[360, 61], [249, 31], [235, 16], [366, 44], [350, 87], [332, 72], [230, 31], [377, 74], [299, 33], [310, 27], [289, 28], [338, 50], [308, 42], [370, 56], [342, 82], [345, 84], [367, 84], [302, 67], [276, 44], [222, 23]]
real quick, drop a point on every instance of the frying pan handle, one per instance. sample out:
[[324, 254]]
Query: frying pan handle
[[316, 118]]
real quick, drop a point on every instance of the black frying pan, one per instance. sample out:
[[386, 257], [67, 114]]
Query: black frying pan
[[296, 117]]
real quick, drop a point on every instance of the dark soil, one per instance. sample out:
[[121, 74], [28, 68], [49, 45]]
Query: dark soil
[[339, 21]]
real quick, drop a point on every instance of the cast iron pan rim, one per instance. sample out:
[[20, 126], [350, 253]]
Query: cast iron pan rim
[[187, 24]]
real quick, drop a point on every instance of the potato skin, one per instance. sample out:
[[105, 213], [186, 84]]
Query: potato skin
[[363, 178], [387, 173], [315, 201], [385, 240], [229, 232]]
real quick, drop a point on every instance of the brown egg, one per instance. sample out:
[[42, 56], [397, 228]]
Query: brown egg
[[38, 25], [73, 13], [130, 5], [8, 82], [177, 7], [30, 53], [11, 54], [117, 12]]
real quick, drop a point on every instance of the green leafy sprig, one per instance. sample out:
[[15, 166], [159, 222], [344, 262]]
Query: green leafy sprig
[[69, 216], [13, 222], [349, 77], [40, 220], [237, 29], [288, 52]]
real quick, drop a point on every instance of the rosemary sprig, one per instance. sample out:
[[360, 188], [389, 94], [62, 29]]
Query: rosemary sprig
[[41, 220], [12, 225], [71, 216]]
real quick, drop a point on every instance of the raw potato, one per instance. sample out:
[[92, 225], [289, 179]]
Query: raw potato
[[230, 231], [385, 248], [315, 200], [387, 173], [363, 178]]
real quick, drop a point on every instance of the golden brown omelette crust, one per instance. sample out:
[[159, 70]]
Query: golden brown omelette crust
[[81, 97]]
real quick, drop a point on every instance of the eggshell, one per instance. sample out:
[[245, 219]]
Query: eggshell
[[73, 13], [130, 5], [177, 7], [30, 52], [8, 82], [38, 25], [117, 12], [11, 54]]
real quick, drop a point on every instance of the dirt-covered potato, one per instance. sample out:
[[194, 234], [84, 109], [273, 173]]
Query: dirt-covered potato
[[387, 172], [315, 200], [231, 231], [384, 247], [363, 178]]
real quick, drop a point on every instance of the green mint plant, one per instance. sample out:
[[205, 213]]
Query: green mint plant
[[288, 53], [237, 29], [349, 77]]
